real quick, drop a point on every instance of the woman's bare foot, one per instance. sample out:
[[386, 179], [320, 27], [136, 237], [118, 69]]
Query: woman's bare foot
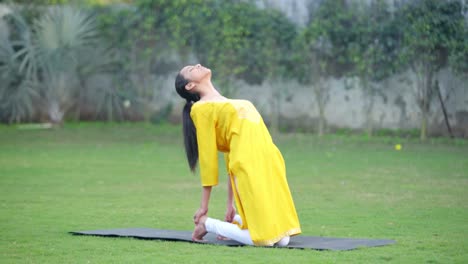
[[200, 231]]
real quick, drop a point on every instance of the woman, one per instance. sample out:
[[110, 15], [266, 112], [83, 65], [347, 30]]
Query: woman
[[212, 123]]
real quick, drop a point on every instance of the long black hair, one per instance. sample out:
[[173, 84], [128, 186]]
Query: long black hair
[[190, 132]]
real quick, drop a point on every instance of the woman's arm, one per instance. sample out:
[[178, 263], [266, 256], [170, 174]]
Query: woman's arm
[[230, 209], [229, 194], [203, 210], [205, 197]]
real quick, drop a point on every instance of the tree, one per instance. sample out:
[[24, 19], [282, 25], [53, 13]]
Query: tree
[[374, 51], [316, 47], [272, 44], [235, 38], [322, 51], [53, 54], [430, 27]]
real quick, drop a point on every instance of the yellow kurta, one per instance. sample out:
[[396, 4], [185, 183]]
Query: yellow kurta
[[255, 166]]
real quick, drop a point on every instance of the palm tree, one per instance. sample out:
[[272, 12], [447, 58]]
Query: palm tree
[[62, 35], [54, 57]]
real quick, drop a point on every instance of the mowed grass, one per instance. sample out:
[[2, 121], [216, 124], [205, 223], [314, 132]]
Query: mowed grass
[[99, 176]]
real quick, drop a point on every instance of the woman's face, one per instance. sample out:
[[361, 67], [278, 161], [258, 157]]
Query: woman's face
[[195, 73]]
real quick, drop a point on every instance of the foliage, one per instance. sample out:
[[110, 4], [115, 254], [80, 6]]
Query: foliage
[[431, 29], [149, 38], [140, 53], [17, 94], [333, 23], [322, 50], [158, 37], [458, 58], [374, 54], [54, 55], [236, 38], [314, 54]]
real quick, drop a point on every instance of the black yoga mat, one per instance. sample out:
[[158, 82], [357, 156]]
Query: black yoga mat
[[318, 243]]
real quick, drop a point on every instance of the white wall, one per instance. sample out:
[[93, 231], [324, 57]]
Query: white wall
[[395, 106]]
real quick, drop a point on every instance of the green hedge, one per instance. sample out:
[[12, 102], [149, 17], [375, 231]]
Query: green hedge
[[241, 41]]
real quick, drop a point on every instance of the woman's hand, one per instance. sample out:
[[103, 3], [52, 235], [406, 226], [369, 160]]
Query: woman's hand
[[198, 214], [230, 213]]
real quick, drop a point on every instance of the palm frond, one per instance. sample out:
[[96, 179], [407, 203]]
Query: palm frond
[[17, 93], [17, 101], [108, 101], [66, 28], [27, 50]]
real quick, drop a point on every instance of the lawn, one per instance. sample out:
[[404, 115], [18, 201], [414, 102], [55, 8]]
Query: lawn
[[98, 176]]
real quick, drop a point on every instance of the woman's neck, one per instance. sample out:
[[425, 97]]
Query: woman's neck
[[208, 92]]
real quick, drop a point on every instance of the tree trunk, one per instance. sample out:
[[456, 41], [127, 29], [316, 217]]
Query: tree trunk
[[423, 135], [320, 98], [369, 105], [275, 109], [80, 97], [321, 127], [444, 111], [426, 100], [274, 115], [55, 112], [370, 126], [370, 120], [424, 74]]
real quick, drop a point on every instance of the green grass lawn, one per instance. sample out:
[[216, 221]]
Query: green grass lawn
[[100, 176]]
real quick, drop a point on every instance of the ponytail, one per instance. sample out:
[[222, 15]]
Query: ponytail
[[190, 136], [189, 130]]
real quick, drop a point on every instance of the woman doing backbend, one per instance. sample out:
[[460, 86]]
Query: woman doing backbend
[[257, 174]]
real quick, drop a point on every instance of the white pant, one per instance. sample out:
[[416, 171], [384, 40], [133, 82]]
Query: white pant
[[233, 232]]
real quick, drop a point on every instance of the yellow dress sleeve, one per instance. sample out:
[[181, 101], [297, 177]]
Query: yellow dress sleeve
[[207, 149]]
